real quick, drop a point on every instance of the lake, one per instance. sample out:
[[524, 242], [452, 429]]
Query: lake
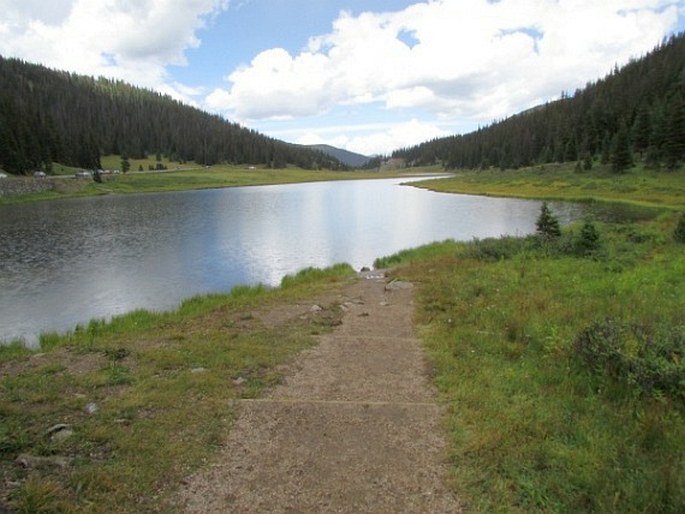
[[68, 261]]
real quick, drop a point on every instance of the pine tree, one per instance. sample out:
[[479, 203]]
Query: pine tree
[[547, 225], [674, 137], [621, 155], [125, 164], [642, 128], [588, 242]]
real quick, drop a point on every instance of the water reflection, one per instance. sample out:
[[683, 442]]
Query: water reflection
[[65, 262]]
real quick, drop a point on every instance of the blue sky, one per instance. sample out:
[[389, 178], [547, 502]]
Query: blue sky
[[370, 76]]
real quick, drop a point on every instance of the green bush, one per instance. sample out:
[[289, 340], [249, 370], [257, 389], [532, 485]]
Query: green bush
[[496, 249], [679, 233], [649, 361]]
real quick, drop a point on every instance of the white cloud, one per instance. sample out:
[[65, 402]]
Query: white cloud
[[132, 40], [372, 139], [472, 59]]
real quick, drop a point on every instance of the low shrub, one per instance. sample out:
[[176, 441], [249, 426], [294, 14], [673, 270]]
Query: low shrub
[[647, 361], [496, 249], [679, 233]]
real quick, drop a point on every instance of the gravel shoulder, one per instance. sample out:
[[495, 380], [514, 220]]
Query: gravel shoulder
[[354, 427]]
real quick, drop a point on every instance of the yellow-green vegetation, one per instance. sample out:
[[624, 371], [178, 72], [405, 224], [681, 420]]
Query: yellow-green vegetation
[[562, 361], [221, 176], [563, 182], [192, 176], [113, 162], [111, 417]]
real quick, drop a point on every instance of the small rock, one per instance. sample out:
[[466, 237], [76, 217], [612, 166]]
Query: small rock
[[57, 428], [239, 381], [62, 435], [398, 284], [365, 269], [60, 432], [31, 461], [315, 308], [198, 370], [91, 408]]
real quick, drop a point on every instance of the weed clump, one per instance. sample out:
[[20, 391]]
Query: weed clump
[[643, 360], [496, 249], [679, 232]]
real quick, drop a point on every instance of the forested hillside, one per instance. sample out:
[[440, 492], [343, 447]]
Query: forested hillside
[[51, 116], [634, 114]]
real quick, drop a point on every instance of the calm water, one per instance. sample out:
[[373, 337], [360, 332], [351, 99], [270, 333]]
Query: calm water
[[65, 262]]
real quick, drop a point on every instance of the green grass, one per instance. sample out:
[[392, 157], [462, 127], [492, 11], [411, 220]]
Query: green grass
[[533, 427], [161, 385], [638, 186], [191, 176]]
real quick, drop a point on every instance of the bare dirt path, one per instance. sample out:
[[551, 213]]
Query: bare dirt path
[[354, 428]]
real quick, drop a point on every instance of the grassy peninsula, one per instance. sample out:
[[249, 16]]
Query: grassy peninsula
[[637, 186], [187, 177]]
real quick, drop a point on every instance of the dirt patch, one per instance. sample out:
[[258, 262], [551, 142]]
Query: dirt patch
[[63, 360], [354, 427]]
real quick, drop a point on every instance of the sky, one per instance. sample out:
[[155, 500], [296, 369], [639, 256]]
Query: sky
[[369, 76]]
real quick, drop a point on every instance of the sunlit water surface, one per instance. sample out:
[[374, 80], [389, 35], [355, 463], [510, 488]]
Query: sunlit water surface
[[66, 262]]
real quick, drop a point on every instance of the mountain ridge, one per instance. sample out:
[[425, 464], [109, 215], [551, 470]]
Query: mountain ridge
[[351, 159], [56, 116], [635, 113]]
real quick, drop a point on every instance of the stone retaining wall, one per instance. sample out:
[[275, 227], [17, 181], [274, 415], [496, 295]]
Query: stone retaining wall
[[14, 186]]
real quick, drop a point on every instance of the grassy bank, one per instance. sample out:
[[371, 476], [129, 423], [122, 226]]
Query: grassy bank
[[111, 417], [562, 182], [191, 178], [562, 367]]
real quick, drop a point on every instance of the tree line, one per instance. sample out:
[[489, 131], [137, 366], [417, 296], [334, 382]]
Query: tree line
[[634, 114], [49, 116]]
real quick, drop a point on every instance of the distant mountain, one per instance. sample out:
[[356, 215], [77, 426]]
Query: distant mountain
[[51, 116], [351, 159], [636, 113]]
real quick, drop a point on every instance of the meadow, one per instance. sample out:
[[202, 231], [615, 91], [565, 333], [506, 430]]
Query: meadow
[[187, 176], [561, 362], [637, 186], [112, 416]]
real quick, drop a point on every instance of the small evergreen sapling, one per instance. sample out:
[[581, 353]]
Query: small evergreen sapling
[[547, 225], [588, 241]]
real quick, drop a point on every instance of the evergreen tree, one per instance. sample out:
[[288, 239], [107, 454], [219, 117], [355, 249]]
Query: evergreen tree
[[605, 157], [125, 164], [621, 156], [674, 137], [547, 225], [642, 129], [588, 242]]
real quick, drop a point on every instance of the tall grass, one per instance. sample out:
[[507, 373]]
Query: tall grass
[[550, 411], [147, 394], [639, 186]]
